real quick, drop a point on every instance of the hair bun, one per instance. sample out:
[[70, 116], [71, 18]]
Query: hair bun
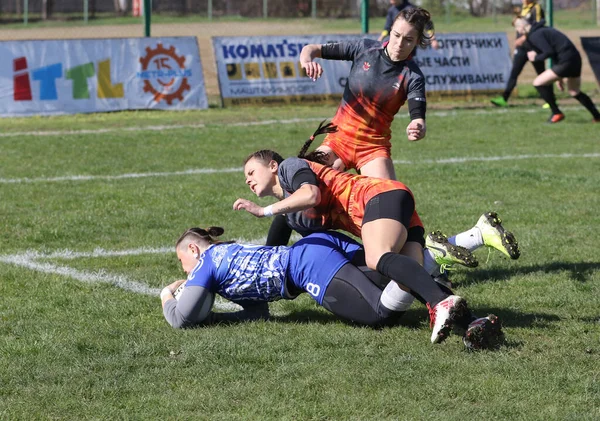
[[215, 231]]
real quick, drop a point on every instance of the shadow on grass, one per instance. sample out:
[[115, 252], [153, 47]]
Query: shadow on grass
[[416, 319], [580, 272]]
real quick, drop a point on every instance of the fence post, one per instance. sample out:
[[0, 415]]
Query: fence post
[[85, 11], [365, 16], [147, 16], [25, 11], [314, 9], [265, 8]]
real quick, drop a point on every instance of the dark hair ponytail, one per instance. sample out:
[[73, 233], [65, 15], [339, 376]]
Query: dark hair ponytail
[[209, 235], [317, 156]]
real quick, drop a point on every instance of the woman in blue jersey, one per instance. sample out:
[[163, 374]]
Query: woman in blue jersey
[[320, 264]]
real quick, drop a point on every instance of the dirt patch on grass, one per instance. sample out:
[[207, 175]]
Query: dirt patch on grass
[[204, 32]]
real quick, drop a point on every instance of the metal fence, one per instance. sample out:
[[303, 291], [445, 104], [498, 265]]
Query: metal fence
[[60, 9]]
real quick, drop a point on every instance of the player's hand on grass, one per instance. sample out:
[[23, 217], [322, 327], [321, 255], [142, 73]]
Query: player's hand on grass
[[416, 130], [250, 207]]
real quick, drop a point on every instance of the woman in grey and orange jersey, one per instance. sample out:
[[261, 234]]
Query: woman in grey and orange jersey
[[316, 197], [382, 79]]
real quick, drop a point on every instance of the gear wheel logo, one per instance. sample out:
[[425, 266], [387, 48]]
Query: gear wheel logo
[[169, 75]]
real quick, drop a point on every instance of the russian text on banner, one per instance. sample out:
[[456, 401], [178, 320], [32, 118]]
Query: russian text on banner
[[266, 70], [94, 75]]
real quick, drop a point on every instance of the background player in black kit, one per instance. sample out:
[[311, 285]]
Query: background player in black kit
[[551, 43], [533, 13]]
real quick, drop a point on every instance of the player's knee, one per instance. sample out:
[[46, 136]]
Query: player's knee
[[573, 93]]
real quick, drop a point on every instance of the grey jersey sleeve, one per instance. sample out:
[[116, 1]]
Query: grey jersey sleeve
[[346, 50], [187, 311], [416, 83], [293, 173]]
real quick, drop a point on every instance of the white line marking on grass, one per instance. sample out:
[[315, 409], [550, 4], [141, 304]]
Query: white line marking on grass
[[169, 127], [460, 160], [456, 160], [119, 176], [31, 260], [25, 260], [159, 128]]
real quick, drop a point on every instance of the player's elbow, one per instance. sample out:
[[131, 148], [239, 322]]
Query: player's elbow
[[313, 197]]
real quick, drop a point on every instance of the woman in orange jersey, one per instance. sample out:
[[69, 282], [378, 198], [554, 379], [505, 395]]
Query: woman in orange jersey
[[314, 197], [382, 79]]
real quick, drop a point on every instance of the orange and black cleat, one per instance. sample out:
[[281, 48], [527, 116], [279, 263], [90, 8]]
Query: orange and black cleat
[[555, 118]]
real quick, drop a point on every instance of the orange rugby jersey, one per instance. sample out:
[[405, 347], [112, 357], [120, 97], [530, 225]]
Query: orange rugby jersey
[[375, 90], [344, 197]]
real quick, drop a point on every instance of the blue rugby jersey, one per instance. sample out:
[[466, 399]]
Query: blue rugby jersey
[[242, 272], [263, 273]]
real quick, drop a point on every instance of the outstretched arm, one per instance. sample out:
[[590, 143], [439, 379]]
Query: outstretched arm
[[188, 310], [306, 197]]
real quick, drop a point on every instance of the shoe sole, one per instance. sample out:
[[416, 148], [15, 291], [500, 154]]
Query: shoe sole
[[487, 335], [459, 255], [457, 315], [509, 242]]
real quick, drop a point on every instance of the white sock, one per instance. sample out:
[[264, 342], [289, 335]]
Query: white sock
[[471, 239], [429, 263], [395, 298]]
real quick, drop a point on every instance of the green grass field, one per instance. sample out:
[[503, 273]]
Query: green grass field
[[90, 207]]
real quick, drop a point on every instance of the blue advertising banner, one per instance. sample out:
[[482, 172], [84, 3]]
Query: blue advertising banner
[[266, 70], [94, 75]]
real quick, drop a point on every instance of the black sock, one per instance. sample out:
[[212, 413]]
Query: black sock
[[510, 85], [547, 94], [410, 273], [279, 232], [586, 101]]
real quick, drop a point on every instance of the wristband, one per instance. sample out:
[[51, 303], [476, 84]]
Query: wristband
[[165, 293], [268, 211]]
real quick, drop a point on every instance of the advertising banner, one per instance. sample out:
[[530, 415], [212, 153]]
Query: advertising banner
[[94, 75], [266, 70], [591, 45]]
